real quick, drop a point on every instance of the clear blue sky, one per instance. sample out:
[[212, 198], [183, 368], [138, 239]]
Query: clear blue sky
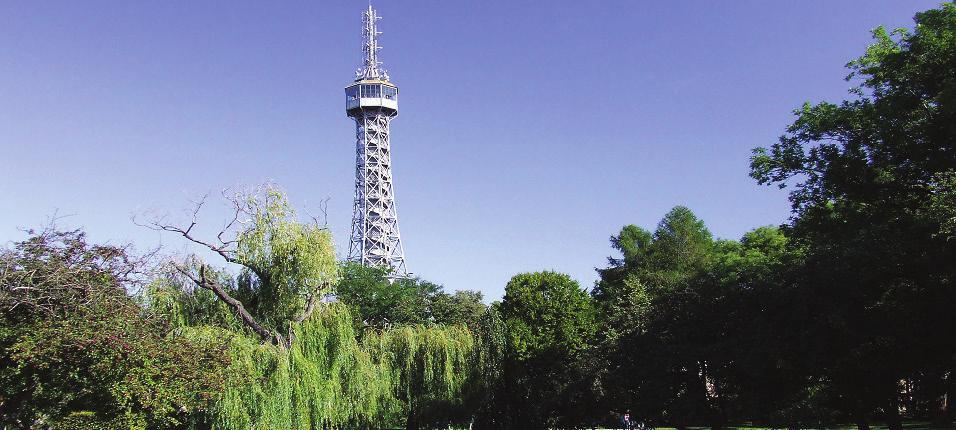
[[529, 131]]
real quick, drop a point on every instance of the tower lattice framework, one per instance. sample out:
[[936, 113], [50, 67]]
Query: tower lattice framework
[[372, 101]]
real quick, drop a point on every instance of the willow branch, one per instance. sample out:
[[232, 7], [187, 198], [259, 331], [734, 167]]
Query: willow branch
[[226, 248], [309, 308], [203, 282]]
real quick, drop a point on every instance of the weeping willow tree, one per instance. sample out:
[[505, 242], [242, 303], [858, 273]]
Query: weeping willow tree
[[286, 266], [324, 380], [429, 367], [296, 361]]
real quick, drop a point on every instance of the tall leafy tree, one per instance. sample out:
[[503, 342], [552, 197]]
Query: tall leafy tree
[[488, 390], [549, 323], [652, 363], [870, 176], [754, 332]]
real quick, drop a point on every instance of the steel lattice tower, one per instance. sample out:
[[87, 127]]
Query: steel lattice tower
[[372, 101]]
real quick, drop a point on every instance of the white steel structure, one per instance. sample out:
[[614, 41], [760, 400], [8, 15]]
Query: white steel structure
[[372, 101]]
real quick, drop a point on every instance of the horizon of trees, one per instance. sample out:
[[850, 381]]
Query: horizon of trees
[[842, 315]]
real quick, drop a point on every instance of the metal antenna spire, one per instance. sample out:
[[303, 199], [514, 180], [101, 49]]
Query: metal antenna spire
[[372, 68]]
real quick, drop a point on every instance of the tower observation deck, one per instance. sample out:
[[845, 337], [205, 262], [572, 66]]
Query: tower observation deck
[[372, 101]]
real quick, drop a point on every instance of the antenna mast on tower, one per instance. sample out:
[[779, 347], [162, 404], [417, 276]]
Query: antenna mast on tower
[[372, 67]]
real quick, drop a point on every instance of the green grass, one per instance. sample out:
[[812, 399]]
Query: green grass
[[908, 425]]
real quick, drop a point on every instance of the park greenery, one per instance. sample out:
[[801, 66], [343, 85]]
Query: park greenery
[[842, 316]]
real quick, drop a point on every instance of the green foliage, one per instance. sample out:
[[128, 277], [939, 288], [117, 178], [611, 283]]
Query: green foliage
[[681, 246], [183, 304], [632, 242], [686, 323], [290, 261], [548, 315], [325, 379], [462, 307], [872, 204], [759, 253], [379, 302], [77, 349], [652, 265], [488, 389], [549, 322], [943, 204], [897, 133], [85, 420], [649, 354], [430, 367], [329, 379], [328, 372]]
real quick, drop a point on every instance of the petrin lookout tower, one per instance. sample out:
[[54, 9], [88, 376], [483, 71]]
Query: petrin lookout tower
[[372, 101]]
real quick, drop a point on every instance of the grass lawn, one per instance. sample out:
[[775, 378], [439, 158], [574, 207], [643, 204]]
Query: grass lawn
[[908, 425]]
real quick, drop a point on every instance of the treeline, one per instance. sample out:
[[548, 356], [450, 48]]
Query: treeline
[[843, 315]]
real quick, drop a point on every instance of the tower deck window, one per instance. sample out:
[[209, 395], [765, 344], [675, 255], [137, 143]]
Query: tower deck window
[[371, 91], [390, 92]]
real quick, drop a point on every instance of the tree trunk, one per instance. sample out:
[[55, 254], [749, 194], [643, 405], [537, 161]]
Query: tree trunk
[[718, 421], [718, 417], [891, 410], [949, 410], [859, 413], [861, 422], [944, 413], [709, 397], [893, 421], [411, 423]]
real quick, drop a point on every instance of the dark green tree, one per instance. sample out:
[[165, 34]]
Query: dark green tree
[[487, 389], [652, 346], [755, 332], [379, 302], [871, 178], [549, 322], [463, 307]]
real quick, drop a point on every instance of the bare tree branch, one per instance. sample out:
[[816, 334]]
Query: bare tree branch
[[323, 220], [225, 250], [237, 210]]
